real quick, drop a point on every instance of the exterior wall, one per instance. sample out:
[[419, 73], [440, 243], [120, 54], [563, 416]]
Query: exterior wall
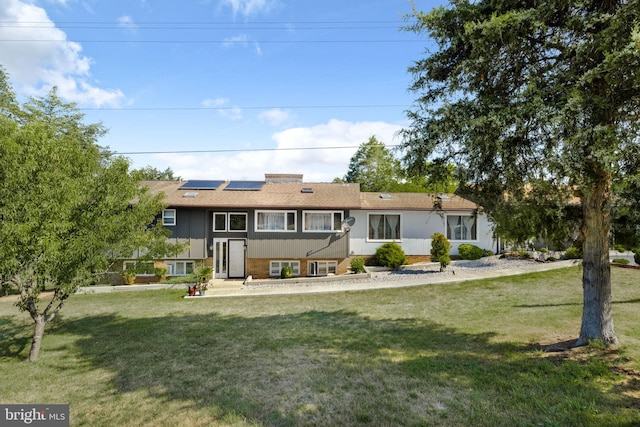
[[295, 245], [258, 268], [193, 228], [263, 247], [416, 229]]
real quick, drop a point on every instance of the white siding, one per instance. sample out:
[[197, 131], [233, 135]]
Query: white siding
[[416, 230]]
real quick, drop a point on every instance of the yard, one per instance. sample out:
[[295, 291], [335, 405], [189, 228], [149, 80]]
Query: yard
[[466, 354]]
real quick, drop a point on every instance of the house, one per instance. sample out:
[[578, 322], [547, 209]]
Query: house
[[254, 228]]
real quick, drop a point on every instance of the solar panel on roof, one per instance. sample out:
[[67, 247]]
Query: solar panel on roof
[[201, 185], [244, 185]]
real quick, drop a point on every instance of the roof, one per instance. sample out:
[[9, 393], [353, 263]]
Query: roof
[[415, 201], [270, 195], [297, 195]]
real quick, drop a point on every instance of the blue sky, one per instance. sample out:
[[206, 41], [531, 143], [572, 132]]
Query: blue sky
[[253, 86]]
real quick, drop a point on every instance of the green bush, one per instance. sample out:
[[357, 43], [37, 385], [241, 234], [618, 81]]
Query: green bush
[[390, 255], [573, 253], [636, 256], [467, 251], [620, 261], [440, 248], [620, 248], [286, 272], [487, 252], [357, 265]]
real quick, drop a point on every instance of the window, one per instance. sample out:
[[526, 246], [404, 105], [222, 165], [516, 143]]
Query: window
[[322, 221], [169, 217], [142, 268], [235, 221], [179, 268], [275, 267], [220, 222], [322, 268], [461, 227], [384, 227], [275, 221]]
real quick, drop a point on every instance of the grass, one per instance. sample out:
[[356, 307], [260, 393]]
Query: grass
[[466, 354]]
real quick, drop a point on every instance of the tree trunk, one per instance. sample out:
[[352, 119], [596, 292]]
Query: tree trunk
[[597, 316], [38, 333]]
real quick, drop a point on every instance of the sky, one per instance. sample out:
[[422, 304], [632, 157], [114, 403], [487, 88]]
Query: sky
[[222, 89]]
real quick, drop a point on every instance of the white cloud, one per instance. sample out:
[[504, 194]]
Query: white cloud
[[240, 39], [243, 41], [248, 7], [35, 65], [321, 153], [224, 108], [127, 23], [276, 117]]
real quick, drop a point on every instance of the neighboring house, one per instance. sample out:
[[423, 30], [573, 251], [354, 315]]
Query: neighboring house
[[254, 228]]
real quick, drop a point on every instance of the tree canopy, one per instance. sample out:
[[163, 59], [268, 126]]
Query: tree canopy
[[376, 169], [149, 173], [537, 105], [68, 209]]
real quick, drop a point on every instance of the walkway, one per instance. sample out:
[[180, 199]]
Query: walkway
[[220, 288], [223, 289]]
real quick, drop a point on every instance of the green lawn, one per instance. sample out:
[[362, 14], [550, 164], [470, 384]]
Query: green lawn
[[466, 354]]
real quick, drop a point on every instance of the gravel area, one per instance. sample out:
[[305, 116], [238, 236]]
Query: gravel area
[[457, 268]]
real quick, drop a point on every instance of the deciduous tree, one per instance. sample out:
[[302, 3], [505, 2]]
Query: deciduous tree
[[68, 209], [537, 102]]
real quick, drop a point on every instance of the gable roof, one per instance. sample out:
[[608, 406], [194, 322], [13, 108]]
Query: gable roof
[[297, 195], [415, 201], [271, 195]]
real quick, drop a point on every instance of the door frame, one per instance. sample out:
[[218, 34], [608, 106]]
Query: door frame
[[222, 260]]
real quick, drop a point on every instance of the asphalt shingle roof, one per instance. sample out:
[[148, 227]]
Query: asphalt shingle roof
[[297, 195]]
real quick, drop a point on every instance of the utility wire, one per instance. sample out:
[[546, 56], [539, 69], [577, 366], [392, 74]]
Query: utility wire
[[233, 150], [295, 107]]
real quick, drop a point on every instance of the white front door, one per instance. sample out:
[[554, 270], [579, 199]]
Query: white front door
[[229, 258], [236, 258]]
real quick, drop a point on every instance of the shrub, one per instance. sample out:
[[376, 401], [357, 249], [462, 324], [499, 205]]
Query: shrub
[[636, 255], [390, 255], [487, 252], [620, 248], [467, 251], [357, 265], [573, 253], [620, 261], [440, 248], [286, 272]]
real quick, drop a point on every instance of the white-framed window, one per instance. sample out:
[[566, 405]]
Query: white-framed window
[[322, 268], [230, 221], [169, 217], [321, 221], [179, 268], [461, 227], [275, 267], [142, 268], [384, 226], [220, 221], [237, 221], [276, 221]]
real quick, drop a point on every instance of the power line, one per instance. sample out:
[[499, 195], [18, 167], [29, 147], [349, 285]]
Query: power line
[[293, 107], [234, 150], [207, 41]]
